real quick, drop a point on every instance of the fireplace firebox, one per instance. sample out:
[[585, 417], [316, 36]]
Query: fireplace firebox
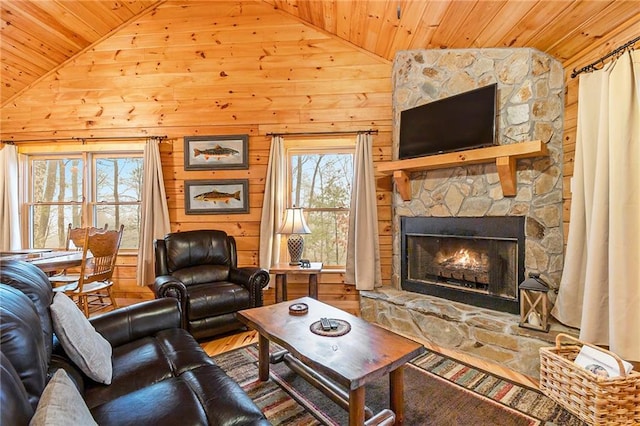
[[474, 260]]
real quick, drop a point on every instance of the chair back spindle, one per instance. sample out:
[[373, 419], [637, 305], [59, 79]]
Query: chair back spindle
[[103, 247], [99, 254]]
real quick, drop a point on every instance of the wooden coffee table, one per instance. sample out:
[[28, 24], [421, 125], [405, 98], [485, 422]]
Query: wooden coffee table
[[339, 366]]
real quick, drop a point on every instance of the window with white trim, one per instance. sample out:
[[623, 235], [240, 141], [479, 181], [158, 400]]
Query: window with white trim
[[83, 189], [319, 179]]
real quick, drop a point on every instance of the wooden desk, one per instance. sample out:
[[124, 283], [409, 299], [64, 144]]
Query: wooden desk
[[281, 270], [352, 360]]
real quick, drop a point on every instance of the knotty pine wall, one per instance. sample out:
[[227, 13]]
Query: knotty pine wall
[[216, 68]]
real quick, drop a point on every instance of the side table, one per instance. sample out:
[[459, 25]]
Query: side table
[[281, 270]]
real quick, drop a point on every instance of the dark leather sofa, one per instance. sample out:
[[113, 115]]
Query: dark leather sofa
[[200, 269], [161, 376]]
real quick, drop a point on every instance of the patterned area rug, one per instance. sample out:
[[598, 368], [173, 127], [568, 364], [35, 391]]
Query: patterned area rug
[[438, 391]]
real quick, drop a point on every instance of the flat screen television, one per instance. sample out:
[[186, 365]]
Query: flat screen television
[[463, 121]]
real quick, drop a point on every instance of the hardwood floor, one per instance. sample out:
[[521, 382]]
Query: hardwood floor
[[229, 343]]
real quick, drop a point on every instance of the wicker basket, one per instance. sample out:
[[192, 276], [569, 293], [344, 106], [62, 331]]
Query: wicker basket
[[594, 399]]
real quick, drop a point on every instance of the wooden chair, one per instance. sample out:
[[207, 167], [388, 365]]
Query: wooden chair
[[75, 241], [100, 251]]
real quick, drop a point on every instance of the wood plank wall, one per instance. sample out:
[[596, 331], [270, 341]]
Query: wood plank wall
[[236, 67], [204, 68]]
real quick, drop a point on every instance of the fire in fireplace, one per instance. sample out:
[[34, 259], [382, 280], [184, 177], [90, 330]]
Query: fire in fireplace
[[478, 261], [464, 266]]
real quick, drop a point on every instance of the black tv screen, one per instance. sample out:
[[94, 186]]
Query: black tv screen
[[463, 121]]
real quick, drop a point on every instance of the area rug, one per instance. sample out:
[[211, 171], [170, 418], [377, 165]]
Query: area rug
[[438, 391]]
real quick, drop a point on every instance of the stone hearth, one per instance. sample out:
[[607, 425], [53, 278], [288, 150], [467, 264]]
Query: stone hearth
[[483, 333]]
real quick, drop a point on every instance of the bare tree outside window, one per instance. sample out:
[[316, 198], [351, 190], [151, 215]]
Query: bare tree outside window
[[321, 184], [119, 196], [110, 192], [56, 200]]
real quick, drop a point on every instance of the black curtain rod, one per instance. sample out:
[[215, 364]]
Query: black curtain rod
[[592, 66], [95, 138], [346, 132]]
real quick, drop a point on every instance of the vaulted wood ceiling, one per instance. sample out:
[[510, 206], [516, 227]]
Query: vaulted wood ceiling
[[39, 35]]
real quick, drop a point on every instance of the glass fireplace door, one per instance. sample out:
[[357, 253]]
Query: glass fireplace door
[[484, 265]]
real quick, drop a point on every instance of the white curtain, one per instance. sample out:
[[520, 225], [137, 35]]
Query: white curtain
[[273, 204], [363, 250], [155, 213], [9, 209], [600, 287]]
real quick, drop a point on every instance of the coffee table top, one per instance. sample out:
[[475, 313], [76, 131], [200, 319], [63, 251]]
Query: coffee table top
[[363, 354]]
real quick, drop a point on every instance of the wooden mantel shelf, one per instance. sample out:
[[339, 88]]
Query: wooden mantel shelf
[[505, 157]]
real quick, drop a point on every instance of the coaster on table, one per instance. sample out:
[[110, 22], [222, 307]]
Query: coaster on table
[[298, 309], [343, 328]]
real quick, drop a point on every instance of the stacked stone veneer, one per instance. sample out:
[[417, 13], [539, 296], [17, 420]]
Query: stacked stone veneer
[[530, 107]]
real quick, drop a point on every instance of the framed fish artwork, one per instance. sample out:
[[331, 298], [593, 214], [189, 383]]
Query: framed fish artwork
[[216, 152], [224, 196]]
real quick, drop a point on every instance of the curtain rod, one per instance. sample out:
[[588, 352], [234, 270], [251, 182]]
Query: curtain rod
[[592, 66], [83, 140], [346, 132]]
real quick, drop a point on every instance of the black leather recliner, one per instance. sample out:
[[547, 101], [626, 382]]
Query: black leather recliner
[[199, 268]]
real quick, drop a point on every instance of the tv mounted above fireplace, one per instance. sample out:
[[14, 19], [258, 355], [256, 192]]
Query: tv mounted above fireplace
[[463, 121]]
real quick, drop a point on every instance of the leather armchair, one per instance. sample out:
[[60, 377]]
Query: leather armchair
[[199, 268]]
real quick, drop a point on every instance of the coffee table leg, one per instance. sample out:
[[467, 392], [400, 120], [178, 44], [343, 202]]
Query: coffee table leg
[[356, 407], [263, 358], [396, 393]]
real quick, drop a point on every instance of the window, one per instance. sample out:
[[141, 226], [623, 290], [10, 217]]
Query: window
[[320, 182], [84, 189]]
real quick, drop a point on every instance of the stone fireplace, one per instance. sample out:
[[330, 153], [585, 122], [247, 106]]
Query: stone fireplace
[[478, 261], [530, 107]]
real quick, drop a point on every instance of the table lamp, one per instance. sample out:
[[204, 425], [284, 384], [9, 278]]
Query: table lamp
[[294, 226]]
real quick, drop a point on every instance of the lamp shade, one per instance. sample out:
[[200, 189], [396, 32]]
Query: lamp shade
[[294, 222]]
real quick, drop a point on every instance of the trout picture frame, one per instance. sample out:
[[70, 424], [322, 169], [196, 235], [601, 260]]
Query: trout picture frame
[[223, 196], [216, 152]]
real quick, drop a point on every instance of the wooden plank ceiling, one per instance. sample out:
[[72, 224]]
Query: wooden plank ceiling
[[39, 35]]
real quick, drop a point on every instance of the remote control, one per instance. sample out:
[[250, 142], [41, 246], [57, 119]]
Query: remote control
[[333, 324], [326, 325]]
